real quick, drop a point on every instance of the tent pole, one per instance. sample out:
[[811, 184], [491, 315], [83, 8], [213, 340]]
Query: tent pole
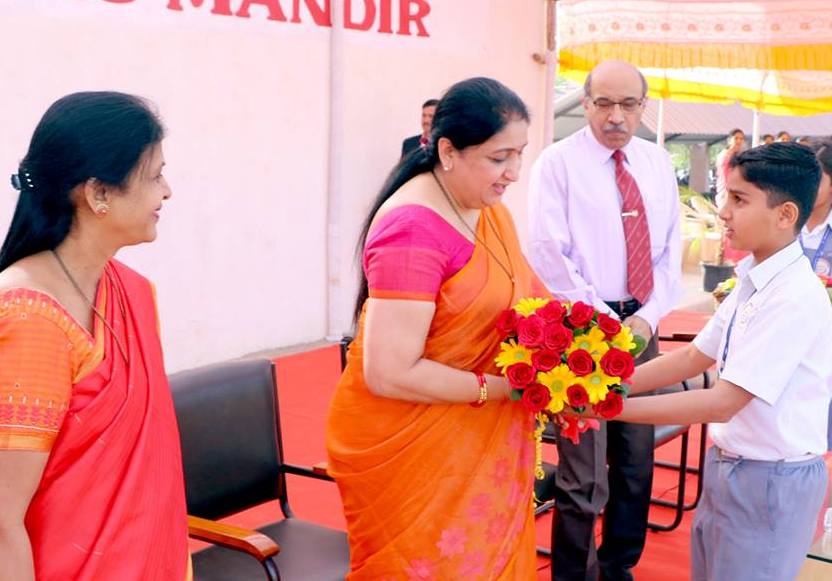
[[551, 72], [660, 124], [755, 128]]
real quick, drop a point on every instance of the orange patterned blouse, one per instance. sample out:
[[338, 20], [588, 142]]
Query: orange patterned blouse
[[43, 353]]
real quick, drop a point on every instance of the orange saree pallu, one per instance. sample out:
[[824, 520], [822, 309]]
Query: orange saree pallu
[[111, 501], [442, 491]]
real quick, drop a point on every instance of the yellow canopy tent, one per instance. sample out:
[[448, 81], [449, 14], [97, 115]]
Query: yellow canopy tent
[[768, 55]]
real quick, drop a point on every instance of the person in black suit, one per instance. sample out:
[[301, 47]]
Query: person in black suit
[[417, 141]]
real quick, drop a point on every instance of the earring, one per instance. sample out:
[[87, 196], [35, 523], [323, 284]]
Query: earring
[[446, 167], [101, 208]]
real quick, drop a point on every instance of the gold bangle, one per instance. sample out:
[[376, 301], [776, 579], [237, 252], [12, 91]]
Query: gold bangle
[[483, 391]]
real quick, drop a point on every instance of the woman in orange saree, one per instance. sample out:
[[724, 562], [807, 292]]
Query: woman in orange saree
[[435, 488], [90, 468]]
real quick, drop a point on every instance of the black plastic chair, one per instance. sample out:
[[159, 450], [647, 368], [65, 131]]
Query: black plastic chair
[[665, 434], [233, 460]]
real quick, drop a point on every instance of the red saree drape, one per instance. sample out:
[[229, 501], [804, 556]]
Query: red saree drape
[[111, 502]]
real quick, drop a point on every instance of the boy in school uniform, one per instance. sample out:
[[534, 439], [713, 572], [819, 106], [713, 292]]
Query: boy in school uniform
[[771, 340]]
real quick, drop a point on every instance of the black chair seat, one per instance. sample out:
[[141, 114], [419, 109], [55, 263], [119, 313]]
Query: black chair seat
[[664, 434], [544, 489], [307, 544]]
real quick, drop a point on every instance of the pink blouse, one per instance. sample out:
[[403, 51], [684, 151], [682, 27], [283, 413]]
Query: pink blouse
[[411, 251]]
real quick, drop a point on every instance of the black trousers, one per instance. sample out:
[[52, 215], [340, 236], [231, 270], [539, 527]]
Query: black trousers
[[585, 485]]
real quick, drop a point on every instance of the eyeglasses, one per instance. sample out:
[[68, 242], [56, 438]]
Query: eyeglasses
[[629, 105]]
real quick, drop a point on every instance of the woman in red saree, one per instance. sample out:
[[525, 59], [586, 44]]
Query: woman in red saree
[[90, 469], [435, 488]]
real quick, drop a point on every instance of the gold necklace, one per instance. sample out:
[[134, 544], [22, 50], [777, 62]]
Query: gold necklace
[[89, 303], [510, 270]]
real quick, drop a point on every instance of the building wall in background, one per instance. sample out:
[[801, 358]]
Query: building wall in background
[[272, 154]]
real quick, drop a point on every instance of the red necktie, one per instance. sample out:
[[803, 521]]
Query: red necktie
[[636, 232]]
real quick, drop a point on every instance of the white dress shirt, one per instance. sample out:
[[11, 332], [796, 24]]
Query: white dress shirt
[[576, 242], [811, 239], [780, 351]]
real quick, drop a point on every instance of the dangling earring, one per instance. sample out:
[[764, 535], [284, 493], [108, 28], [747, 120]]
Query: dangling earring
[[101, 208]]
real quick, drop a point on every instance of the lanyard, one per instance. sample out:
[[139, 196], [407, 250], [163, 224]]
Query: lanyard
[[731, 328], [821, 246]]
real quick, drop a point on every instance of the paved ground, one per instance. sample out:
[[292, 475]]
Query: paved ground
[[694, 298]]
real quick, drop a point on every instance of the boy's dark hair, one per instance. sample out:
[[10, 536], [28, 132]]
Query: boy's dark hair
[[735, 131], [430, 103], [766, 136], [786, 172], [823, 153]]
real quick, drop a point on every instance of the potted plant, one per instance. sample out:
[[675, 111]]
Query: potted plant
[[715, 268]]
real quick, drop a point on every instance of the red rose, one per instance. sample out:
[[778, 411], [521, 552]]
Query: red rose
[[581, 315], [610, 407], [507, 322], [618, 363], [578, 397], [530, 331], [520, 375], [536, 397], [545, 360], [580, 362], [552, 312], [557, 337], [609, 325]]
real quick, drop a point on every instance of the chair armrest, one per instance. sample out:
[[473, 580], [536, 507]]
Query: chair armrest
[[319, 471], [255, 544]]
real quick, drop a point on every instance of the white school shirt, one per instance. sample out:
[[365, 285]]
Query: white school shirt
[[576, 239], [811, 241], [780, 351]]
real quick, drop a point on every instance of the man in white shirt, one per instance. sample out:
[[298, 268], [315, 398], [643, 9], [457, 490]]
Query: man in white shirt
[[816, 235], [604, 222], [765, 479]]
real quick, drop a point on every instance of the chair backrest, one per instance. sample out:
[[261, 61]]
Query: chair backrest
[[230, 434]]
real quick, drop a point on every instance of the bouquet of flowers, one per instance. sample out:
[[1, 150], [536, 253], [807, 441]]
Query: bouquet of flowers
[[563, 359]]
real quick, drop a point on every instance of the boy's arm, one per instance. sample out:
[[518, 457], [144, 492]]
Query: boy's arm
[[669, 369], [718, 404]]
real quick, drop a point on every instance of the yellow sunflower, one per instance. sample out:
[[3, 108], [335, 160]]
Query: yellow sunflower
[[528, 307], [594, 342], [624, 340], [557, 380], [597, 385], [511, 353]]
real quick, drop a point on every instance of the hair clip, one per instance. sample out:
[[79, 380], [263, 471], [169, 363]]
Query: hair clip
[[16, 181]]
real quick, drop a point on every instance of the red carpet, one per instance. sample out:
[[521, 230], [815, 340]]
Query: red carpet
[[305, 384]]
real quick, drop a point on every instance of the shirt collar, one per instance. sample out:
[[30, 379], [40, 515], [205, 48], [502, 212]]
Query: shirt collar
[[602, 154], [762, 273], [819, 228]]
